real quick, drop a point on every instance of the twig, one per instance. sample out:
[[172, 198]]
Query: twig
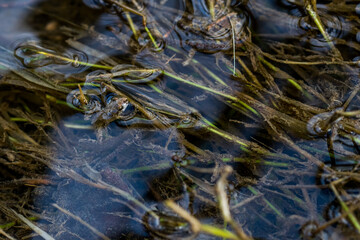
[[35, 228], [6, 235], [196, 225], [223, 203], [94, 230]]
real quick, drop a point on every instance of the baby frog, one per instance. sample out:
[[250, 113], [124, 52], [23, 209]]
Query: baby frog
[[321, 123], [101, 107], [333, 125], [215, 33], [116, 108]]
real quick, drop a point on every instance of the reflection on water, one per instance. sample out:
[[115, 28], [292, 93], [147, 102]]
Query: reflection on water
[[33, 56], [110, 108]]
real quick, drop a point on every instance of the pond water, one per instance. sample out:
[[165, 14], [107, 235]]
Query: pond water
[[244, 114]]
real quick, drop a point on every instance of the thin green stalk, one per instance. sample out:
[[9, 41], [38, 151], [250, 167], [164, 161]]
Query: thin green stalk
[[7, 225], [18, 119], [74, 61], [213, 75], [315, 17], [351, 216], [227, 136], [295, 84], [78, 126], [208, 71], [253, 190], [131, 24], [276, 69], [57, 101], [11, 224], [159, 166], [75, 84], [313, 14], [208, 122], [235, 99], [247, 70], [196, 225], [233, 43], [158, 90], [212, 8], [267, 63], [217, 232], [259, 161], [293, 197], [151, 38]]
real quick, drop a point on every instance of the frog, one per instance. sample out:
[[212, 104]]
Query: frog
[[101, 107], [335, 125], [319, 124], [217, 32], [106, 104]]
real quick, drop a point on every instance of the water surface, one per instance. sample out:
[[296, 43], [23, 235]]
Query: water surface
[[106, 114]]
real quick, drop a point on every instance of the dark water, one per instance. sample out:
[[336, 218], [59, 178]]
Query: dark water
[[151, 123]]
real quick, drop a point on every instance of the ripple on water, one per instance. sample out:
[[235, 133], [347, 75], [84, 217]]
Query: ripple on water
[[144, 41], [33, 54], [332, 25]]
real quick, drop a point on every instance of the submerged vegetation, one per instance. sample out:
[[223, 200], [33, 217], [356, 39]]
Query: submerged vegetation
[[159, 119]]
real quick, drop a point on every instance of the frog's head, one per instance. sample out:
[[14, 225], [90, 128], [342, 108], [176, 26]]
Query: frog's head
[[190, 120]]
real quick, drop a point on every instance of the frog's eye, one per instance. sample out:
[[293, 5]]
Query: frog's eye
[[128, 111], [110, 98], [187, 120]]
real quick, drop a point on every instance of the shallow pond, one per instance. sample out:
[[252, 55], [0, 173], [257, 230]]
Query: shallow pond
[[161, 119]]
